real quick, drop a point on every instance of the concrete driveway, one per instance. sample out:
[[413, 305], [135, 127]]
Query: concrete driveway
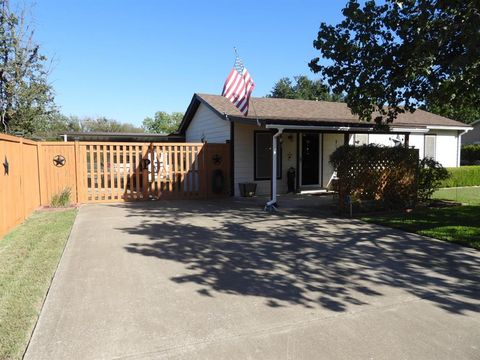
[[224, 280]]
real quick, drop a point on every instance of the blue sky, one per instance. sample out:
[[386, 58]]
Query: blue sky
[[128, 59]]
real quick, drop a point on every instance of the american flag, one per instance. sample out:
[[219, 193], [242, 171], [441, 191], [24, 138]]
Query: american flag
[[239, 86]]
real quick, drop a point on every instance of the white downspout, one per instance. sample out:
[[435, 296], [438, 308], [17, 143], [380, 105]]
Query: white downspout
[[271, 205], [459, 146]]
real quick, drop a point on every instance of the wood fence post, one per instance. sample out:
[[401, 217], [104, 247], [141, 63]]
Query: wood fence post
[[21, 177], [40, 172], [78, 172], [144, 171], [206, 169]]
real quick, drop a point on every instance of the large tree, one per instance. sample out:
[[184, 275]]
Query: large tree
[[396, 56], [163, 122], [25, 95], [301, 87]]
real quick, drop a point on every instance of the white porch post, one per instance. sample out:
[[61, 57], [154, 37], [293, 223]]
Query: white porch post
[[271, 205]]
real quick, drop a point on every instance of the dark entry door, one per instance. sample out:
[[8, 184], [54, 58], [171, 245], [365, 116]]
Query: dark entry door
[[310, 159]]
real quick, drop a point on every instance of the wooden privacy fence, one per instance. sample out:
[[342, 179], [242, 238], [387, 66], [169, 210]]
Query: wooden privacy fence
[[19, 180], [33, 172]]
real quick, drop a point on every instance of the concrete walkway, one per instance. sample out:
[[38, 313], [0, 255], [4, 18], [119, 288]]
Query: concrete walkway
[[224, 280]]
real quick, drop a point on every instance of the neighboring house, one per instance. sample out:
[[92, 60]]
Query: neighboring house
[[472, 137], [310, 132], [121, 137]]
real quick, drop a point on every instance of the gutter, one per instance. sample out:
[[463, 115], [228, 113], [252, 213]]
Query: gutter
[[272, 204], [343, 128], [459, 144], [434, 127], [315, 127]]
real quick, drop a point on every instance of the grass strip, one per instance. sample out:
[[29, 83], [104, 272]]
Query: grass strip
[[29, 256]]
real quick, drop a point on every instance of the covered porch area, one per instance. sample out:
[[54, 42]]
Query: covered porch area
[[299, 154], [315, 144]]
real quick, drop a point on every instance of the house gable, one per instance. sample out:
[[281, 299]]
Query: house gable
[[205, 125]]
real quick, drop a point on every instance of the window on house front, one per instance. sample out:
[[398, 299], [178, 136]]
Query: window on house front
[[263, 156], [430, 146]]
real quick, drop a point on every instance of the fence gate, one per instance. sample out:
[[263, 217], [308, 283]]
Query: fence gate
[[111, 172]]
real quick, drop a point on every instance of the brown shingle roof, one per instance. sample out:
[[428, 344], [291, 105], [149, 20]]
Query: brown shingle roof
[[288, 110]]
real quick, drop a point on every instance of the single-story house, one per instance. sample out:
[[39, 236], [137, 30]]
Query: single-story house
[[472, 137], [306, 132]]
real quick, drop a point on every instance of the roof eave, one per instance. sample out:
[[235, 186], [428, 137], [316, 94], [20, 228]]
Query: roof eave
[[447, 127], [192, 109]]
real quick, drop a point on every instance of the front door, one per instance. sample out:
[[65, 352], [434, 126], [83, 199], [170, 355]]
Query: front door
[[310, 159]]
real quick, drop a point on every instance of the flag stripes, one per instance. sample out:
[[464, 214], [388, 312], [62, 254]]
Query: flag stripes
[[239, 86]]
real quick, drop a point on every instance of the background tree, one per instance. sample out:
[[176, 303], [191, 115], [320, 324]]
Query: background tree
[[163, 123], [399, 55], [25, 95], [103, 124], [302, 88], [55, 124]]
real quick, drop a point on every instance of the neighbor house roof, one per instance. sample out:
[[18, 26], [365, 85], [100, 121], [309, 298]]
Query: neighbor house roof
[[305, 112], [122, 136]]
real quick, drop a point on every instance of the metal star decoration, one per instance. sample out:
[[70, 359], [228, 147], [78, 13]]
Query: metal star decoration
[[6, 167], [59, 160], [217, 159]]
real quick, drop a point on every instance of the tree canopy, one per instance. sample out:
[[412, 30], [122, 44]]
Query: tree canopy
[[301, 87], [396, 56], [25, 94], [55, 124], [163, 122]]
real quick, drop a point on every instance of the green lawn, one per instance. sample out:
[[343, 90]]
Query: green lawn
[[460, 224], [455, 224], [28, 258], [466, 195]]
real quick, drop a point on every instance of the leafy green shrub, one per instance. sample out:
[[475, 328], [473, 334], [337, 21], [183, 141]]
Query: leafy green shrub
[[470, 154], [430, 175], [62, 199], [462, 176]]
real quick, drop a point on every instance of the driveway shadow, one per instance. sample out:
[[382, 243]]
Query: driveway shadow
[[303, 258]]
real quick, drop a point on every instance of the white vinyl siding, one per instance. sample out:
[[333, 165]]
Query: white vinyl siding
[[386, 139], [440, 145], [446, 147], [360, 139], [330, 143], [208, 126], [244, 159], [417, 141]]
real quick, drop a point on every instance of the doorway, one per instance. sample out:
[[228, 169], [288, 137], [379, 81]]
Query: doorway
[[310, 159]]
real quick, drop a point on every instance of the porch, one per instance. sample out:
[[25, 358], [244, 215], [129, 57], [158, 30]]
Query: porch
[[305, 150]]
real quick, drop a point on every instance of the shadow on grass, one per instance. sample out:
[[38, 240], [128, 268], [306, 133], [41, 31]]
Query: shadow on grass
[[301, 258], [459, 224]]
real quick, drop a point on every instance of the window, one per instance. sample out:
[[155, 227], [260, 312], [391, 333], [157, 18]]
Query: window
[[430, 146], [263, 156]]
